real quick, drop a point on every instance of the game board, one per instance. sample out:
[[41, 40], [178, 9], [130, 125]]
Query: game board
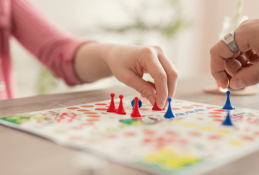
[[194, 141]]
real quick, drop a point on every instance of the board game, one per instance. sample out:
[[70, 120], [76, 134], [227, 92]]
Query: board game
[[194, 141]]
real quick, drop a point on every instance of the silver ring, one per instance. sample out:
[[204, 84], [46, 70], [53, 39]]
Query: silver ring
[[229, 39]]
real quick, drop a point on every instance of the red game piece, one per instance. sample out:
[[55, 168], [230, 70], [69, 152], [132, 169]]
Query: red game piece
[[156, 108], [112, 105], [120, 109], [135, 112]]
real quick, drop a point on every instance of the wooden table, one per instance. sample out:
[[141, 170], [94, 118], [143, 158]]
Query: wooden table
[[22, 153]]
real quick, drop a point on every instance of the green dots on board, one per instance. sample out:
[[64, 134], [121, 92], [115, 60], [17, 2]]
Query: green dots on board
[[18, 119], [27, 115], [21, 120], [167, 159], [127, 121], [131, 121], [199, 146], [39, 118], [136, 123], [13, 117]]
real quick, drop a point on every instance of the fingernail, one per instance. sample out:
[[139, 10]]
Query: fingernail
[[237, 84]]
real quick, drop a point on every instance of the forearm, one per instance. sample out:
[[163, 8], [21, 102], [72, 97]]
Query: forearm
[[90, 62], [51, 46]]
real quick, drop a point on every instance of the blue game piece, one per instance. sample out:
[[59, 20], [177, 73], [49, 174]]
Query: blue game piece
[[228, 121], [133, 103], [169, 112], [228, 105]]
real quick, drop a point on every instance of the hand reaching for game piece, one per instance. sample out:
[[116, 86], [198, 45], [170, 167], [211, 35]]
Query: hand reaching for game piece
[[239, 69], [128, 64]]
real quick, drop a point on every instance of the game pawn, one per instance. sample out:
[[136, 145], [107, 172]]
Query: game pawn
[[135, 113], [133, 103], [228, 121], [169, 112], [228, 105], [156, 108], [120, 109], [112, 105]]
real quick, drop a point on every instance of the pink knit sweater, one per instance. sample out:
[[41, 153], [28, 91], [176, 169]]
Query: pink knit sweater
[[51, 46]]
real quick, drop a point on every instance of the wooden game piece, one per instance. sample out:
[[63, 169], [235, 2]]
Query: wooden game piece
[[228, 105], [112, 105], [135, 112], [120, 109], [228, 121], [156, 108], [169, 112], [133, 103]]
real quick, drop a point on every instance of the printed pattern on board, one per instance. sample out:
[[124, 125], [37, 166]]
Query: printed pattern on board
[[195, 137]]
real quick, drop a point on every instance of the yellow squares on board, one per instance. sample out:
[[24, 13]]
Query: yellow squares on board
[[235, 142], [206, 128], [221, 131], [175, 122], [190, 124]]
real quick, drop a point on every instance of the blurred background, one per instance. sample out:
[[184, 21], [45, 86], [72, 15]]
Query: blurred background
[[185, 29]]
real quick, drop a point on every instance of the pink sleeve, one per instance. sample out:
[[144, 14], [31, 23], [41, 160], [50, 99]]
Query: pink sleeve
[[53, 47]]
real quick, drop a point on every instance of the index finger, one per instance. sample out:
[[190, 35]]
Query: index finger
[[171, 72], [219, 53], [158, 73]]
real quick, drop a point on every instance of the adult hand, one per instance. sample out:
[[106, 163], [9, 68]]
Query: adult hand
[[243, 65], [129, 63]]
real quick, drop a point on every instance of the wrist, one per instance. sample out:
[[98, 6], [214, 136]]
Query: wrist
[[89, 62], [106, 51]]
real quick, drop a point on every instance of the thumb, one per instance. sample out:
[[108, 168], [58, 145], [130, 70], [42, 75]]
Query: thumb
[[247, 76]]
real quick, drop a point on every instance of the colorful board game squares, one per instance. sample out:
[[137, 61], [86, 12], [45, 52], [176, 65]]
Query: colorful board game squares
[[224, 132], [175, 121], [168, 145], [18, 119], [170, 159], [236, 142], [206, 128], [190, 124]]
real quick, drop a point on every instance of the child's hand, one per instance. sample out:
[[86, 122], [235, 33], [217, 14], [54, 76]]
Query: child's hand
[[129, 63], [225, 64]]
